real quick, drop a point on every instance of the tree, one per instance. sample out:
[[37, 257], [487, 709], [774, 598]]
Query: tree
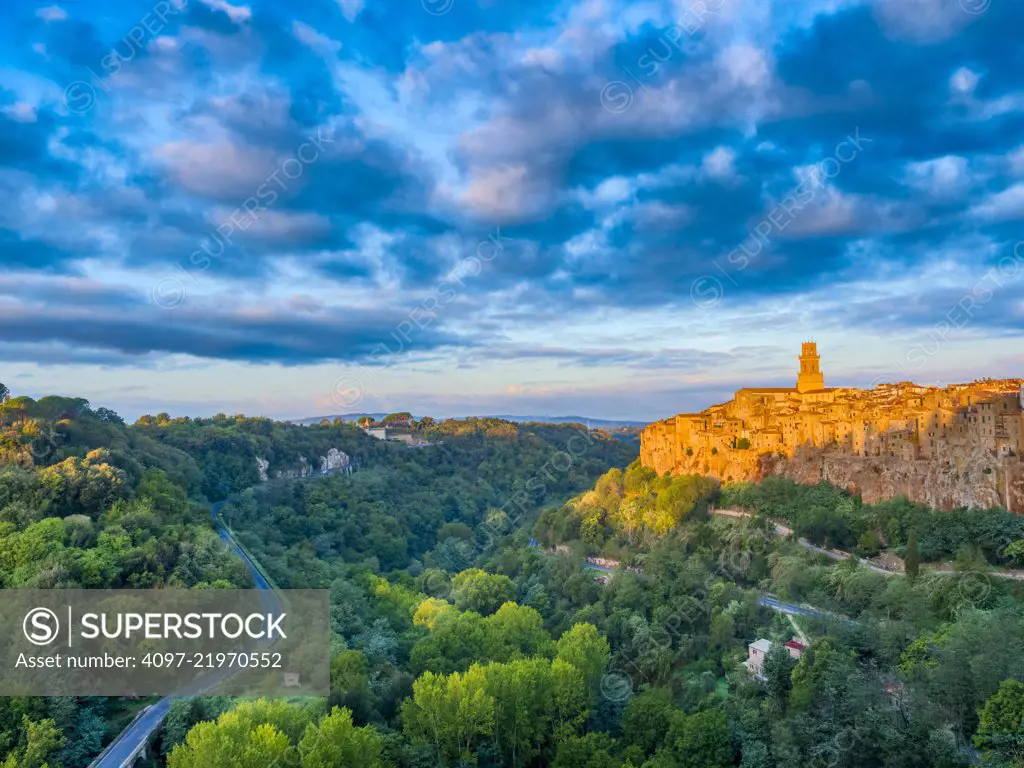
[[743, 444], [335, 741], [912, 558], [428, 611], [482, 592], [185, 713], [261, 732], [108, 416], [42, 740], [1015, 552], [778, 672], [452, 713], [646, 719], [515, 631], [593, 750], [585, 648], [1001, 725], [5, 393], [701, 740]]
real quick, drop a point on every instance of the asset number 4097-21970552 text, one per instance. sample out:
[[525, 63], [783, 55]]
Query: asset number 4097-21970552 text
[[212, 660]]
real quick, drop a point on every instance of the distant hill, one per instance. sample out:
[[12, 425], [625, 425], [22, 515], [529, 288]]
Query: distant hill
[[595, 423], [343, 416]]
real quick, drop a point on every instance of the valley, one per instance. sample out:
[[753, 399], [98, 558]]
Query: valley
[[462, 579]]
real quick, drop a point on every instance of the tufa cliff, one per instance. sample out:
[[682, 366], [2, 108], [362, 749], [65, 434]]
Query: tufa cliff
[[333, 461], [957, 446]]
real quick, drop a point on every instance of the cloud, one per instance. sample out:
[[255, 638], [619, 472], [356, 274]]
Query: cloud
[[720, 164], [963, 82], [216, 169], [315, 40], [52, 13], [1005, 205], [237, 13], [168, 322], [443, 127], [351, 9], [946, 177]]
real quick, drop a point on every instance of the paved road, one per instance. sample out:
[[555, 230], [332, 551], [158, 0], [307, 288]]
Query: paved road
[[837, 554], [127, 743], [125, 747], [138, 733], [766, 599]]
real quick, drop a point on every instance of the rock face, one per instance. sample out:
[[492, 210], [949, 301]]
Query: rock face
[[977, 479], [334, 460], [957, 477]]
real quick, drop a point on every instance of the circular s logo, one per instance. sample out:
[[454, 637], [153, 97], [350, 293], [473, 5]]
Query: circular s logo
[[41, 626]]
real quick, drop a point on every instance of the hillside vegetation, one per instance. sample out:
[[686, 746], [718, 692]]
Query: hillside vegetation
[[458, 640]]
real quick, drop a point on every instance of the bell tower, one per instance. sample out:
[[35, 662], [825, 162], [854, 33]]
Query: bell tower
[[810, 376]]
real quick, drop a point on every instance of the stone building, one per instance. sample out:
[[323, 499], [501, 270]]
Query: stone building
[[905, 422]]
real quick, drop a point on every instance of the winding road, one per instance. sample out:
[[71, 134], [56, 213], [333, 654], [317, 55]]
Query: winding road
[[132, 741], [838, 554], [766, 599]]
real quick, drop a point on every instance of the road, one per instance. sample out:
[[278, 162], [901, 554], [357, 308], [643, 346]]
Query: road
[[129, 743], [766, 599], [838, 554]]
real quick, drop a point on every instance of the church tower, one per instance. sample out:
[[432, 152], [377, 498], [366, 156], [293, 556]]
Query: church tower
[[810, 376]]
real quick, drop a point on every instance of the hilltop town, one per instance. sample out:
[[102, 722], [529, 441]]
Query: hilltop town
[[959, 445]]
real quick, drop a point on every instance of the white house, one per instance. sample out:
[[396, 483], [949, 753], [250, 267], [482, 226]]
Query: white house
[[758, 650]]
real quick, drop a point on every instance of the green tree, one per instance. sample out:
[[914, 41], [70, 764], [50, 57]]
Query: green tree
[[1015, 552], [453, 713], [592, 750], [515, 631], [481, 592], [1001, 725], [778, 673], [523, 694], [335, 741], [912, 558], [646, 719], [262, 732], [585, 648], [701, 740], [41, 741]]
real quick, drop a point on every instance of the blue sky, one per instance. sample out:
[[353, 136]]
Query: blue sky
[[620, 209]]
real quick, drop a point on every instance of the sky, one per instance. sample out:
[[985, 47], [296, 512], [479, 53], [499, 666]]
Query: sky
[[610, 208]]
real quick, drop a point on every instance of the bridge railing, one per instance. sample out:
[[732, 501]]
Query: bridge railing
[[99, 758]]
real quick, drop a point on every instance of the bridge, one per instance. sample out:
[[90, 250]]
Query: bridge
[[132, 743]]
